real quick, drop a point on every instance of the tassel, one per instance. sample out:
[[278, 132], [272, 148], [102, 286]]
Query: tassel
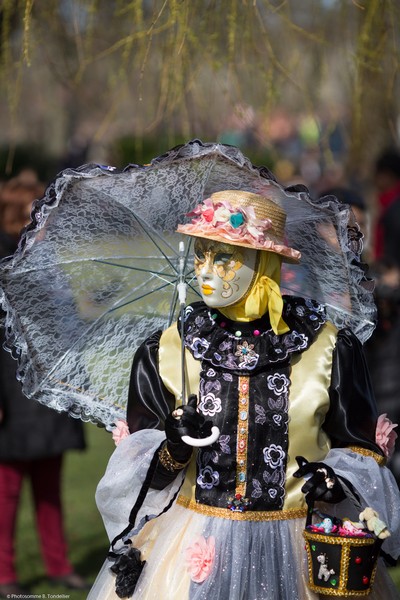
[[127, 567]]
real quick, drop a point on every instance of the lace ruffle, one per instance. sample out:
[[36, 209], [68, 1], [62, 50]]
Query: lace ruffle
[[235, 346], [91, 276]]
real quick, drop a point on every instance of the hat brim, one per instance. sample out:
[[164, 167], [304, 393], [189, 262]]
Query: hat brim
[[289, 255]]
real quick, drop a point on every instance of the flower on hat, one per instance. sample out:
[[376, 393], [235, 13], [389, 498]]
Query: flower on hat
[[207, 208], [385, 437], [236, 220], [208, 214], [236, 223], [242, 218], [200, 558]]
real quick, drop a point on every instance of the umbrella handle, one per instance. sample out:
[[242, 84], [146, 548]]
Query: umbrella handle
[[201, 442]]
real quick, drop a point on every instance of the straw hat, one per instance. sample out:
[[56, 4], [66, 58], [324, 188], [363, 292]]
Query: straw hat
[[243, 219]]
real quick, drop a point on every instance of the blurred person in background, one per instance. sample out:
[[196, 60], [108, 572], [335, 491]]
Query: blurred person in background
[[33, 438], [387, 231], [383, 348]]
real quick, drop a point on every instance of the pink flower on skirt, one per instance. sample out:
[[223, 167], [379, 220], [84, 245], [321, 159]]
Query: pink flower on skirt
[[120, 431], [385, 437], [200, 558]]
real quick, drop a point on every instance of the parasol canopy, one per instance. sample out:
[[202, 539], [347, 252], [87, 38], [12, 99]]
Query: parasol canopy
[[97, 269]]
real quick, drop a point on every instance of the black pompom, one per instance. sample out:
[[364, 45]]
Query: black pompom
[[127, 568]]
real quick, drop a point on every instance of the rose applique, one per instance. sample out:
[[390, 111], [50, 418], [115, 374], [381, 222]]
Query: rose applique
[[385, 437], [200, 556]]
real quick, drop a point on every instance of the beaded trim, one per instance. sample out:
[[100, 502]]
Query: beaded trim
[[168, 462], [249, 515], [242, 436], [381, 460]]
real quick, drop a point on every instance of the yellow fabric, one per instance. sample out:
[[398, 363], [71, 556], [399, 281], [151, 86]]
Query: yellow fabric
[[169, 365], [310, 378], [169, 350], [165, 582], [263, 296]]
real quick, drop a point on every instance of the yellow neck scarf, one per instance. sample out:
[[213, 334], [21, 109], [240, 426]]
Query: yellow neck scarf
[[263, 296]]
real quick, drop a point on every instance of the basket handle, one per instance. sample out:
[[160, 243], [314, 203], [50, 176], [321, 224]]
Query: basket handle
[[348, 490]]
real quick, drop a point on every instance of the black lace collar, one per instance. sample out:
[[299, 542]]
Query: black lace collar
[[249, 346]]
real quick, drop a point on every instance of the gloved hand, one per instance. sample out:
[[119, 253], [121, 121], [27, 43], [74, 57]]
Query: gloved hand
[[322, 483], [185, 420]]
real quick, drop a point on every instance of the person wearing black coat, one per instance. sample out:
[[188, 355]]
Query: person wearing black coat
[[33, 438]]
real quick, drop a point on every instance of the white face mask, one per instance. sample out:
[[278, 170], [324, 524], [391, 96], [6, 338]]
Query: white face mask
[[224, 271]]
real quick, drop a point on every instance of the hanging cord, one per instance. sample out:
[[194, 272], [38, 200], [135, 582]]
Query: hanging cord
[[127, 562], [139, 502]]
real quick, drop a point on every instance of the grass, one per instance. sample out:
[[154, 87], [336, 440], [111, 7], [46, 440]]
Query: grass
[[88, 542]]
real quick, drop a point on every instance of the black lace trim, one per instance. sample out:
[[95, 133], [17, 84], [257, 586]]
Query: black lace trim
[[247, 347]]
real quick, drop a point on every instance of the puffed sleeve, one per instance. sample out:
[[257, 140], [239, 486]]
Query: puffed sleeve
[[149, 401], [352, 416]]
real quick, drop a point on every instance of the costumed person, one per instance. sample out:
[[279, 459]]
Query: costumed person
[[280, 382]]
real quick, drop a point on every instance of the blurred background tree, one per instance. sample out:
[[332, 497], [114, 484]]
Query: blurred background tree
[[306, 87]]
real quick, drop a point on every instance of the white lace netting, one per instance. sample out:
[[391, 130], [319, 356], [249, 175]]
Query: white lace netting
[[90, 279]]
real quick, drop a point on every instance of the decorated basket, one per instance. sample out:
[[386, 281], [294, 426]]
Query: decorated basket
[[338, 564]]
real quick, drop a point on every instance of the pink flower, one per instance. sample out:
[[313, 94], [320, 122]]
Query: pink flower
[[120, 431], [208, 214], [200, 558], [385, 437]]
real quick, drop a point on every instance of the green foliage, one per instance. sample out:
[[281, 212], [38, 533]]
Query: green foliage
[[140, 151], [134, 150], [180, 68]]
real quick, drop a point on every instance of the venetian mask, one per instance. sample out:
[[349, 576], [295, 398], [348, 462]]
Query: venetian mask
[[224, 272]]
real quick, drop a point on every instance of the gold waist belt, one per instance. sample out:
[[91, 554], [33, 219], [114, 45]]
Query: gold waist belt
[[247, 515]]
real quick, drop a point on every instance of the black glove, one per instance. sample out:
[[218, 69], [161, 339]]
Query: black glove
[[322, 483], [185, 420]]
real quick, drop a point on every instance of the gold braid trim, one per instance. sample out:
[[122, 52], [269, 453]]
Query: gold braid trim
[[381, 460], [247, 515], [346, 544], [168, 462]]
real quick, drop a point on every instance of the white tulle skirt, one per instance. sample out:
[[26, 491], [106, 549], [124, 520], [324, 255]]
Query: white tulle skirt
[[251, 560]]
